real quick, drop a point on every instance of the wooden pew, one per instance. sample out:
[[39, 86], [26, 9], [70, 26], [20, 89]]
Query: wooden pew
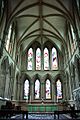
[[8, 113], [71, 112]]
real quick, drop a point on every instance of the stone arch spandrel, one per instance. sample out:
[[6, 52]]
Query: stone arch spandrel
[[47, 76]]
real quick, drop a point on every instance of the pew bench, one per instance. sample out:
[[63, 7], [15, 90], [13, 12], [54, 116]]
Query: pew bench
[[71, 112], [8, 113]]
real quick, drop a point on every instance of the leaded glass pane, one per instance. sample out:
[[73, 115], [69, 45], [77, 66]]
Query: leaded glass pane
[[54, 59], [46, 59], [59, 89], [48, 89], [26, 90], [38, 59], [30, 59], [37, 89]]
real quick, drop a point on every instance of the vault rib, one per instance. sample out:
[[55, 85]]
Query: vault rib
[[40, 18]]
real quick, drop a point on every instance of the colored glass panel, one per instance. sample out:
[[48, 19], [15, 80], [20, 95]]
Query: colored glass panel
[[30, 59], [26, 90], [54, 59], [38, 59], [46, 59], [59, 89], [48, 89], [37, 89]]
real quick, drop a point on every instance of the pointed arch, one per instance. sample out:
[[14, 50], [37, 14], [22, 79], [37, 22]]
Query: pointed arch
[[30, 59], [54, 59], [37, 89], [59, 89], [42, 57], [26, 89], [38, 59], [46, 59], [48, 88]]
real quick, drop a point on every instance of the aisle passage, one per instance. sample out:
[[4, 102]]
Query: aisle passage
[[42, 117]]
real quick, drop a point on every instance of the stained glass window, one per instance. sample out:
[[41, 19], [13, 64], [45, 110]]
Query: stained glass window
[[46, 59], [54, 59], [59, 89], [48, 89], [38, 59], [39, 62], [30, 59], [37, 89], [26, 89]]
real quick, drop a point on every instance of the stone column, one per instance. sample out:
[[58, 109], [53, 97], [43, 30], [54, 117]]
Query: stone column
[[67, 90], [64, 90], [14, 89], [2, 78], [42, 90], [70, 91], [34, 58], [50, 62], [53, 92], [54, 98], [6, 85], [30, 97], [22, 90], [32, 91]]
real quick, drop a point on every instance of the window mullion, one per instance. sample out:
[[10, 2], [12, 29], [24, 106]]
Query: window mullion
[[34, 60], [42, 58], [50, 59]]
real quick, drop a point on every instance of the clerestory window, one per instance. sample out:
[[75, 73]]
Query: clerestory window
[[45, 59]]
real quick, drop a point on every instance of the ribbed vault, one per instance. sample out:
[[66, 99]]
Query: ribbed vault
[[40, 20]]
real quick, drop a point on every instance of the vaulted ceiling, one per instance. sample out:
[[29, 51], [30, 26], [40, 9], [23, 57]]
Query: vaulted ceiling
[[40, 20]]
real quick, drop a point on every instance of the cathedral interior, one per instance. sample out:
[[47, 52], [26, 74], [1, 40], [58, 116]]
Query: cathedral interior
[[40, 53]]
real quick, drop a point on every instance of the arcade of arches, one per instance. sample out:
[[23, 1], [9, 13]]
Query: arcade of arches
[[40, 53]]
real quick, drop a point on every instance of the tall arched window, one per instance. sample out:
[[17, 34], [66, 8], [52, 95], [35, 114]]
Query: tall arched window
[[54, 59], [30, 59], [59, 89], [46, 59], [37, 89], [38, 59], [48, 89], [26, 89]]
